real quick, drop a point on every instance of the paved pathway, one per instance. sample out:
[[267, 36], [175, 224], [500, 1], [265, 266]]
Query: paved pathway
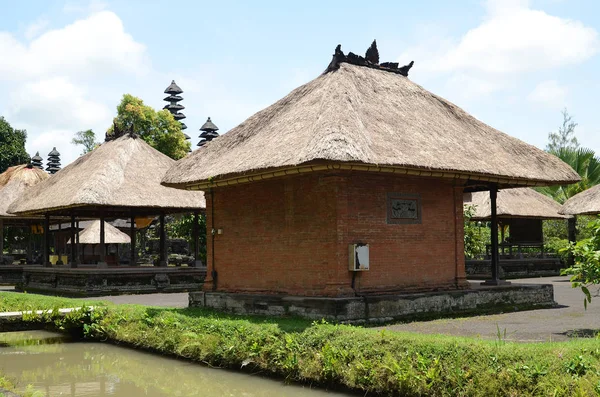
[[534, 325]]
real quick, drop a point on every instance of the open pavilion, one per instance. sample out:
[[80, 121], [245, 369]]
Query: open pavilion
[[119, 179], [349, 187], [13, 183], [90, 238], [521, 211]]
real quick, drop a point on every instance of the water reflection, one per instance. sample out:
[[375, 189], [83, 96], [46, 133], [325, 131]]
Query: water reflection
[[52, 364]]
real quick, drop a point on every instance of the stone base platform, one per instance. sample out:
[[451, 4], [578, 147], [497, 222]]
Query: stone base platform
[[514, 268], [111, 281], [13, 274], [384, 308]]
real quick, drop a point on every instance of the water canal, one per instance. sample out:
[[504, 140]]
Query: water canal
[[57, 366]]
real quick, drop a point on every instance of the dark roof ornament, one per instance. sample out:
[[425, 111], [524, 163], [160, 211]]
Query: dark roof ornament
[[371, 60], [53, 164], [118, 132], [209, 132], [173, 89], [372, 54], [173, 107], [36, 161]]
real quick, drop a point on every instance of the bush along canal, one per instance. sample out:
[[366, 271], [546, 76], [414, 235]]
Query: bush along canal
[[332, 356]]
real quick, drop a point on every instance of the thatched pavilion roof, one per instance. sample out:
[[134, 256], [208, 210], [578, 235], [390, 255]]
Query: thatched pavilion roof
[[584, 203], [365, 118], [119, 178], [14, 182], [514, 203], [112, 235]]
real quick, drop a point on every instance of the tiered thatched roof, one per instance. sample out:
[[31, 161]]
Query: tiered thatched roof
[[14, 182], [514, 203], [584, 203], [119, 178], [365, 118], [112, 235]]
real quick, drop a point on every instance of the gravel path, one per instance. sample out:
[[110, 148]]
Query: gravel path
[[569, 319]]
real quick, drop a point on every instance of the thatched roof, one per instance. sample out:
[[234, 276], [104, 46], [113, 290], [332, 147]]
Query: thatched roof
[[358, 117], [14, 182], [118, 177], [112, 235], [584, 203], [514, 203]]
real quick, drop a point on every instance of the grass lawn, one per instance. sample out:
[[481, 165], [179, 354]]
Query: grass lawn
[[362, 359]]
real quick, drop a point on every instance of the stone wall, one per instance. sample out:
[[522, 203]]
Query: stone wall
[[383, 308], [291, 235], [111, 281]]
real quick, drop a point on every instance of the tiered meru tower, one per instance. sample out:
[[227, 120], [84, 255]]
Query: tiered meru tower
[[53, 164], [36, 161], [173, 90], [209, 132]]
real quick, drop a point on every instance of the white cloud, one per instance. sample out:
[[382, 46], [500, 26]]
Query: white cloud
[[56, 82], [56, 103], [35, 28], [95, 45], [549, 93], [512, 39]]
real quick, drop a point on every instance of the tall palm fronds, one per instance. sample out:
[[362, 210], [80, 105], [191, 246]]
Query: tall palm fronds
[[585, 162]]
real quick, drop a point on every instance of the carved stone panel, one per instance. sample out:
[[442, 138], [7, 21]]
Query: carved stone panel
[[403, 208]]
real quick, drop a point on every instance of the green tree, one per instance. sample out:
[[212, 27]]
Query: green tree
[[476, 234], [158, 128], [12, 146], [585, 162], [564, 138], [585, 271], [184, 228], [87, 139]]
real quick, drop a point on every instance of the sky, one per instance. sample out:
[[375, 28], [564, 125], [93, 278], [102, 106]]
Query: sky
[[514, 64]]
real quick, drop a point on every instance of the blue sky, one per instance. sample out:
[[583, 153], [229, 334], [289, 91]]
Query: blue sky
[[514, 64]]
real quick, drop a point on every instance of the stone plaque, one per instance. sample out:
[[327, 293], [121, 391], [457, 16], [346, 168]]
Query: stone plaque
[[403, 208]]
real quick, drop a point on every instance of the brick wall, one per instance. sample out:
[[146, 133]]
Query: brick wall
[[291, 235]]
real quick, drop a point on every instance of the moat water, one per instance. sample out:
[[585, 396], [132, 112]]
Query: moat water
[[56, 366]]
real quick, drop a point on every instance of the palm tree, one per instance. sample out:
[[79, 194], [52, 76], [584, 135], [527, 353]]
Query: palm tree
[[585, 162], [587, 165]]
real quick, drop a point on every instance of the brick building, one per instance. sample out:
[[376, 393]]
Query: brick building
[[359, 156]]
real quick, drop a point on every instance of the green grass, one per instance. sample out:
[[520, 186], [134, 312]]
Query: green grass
[[366, 360], [12, 301]]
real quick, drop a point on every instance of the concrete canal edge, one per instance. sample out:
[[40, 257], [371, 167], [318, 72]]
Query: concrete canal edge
[[385, 308], [13, 321]]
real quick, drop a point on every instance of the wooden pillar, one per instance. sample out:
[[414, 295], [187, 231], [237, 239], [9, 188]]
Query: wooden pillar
[[132, 234], [30, 244], [73, 262], [1, 239], [57, 243], [46, 260], [79, 261], [572, 233], [102, 262], [494, 243], [162, 259], [196, 235]]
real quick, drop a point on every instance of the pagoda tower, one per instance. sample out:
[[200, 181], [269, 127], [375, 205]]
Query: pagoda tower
[[209, 132], [53, 164], [173, 90], [36, 161]]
